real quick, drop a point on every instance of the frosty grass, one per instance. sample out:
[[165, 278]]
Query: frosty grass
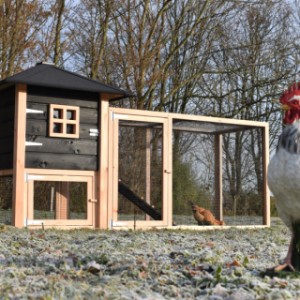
[[164, 264]]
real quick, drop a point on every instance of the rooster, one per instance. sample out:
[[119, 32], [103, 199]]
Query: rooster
[[284, 175], [204, 216]]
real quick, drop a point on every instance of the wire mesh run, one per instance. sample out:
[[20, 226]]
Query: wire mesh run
[[6, 189], [140, 171], [220, 168]]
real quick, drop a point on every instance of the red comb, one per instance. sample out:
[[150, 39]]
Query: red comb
[[290, 93]]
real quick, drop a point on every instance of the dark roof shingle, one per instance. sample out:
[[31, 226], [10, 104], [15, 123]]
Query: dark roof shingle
[[47, 75]]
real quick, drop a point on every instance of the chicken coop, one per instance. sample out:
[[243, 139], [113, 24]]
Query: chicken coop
[[68, 158]]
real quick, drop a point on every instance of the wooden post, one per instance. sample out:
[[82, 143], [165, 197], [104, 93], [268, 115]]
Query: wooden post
[[168, 143], [266, 196], [148, 168], [102, 211], [19, 198], [64, 201], [218, 177]]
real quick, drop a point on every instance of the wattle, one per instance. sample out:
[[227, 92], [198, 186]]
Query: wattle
[[291, 116]]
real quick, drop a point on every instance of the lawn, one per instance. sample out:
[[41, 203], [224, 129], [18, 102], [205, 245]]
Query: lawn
[[157, 264]]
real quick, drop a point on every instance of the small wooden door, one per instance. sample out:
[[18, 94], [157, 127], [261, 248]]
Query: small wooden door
[[55, 200], [141, 175]]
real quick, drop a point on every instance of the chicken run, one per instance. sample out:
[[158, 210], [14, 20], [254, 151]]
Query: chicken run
[[88, 163]]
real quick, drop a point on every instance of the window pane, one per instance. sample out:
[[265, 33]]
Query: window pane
[[78, 200], [70, 128], [57, 114], [57, 128], [44, 203], [71, 115]]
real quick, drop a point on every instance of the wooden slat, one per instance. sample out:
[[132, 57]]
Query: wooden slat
[[63, 146], [7, 97], [61, 161], [76, 174], [102, 211], [19, 156], [64, 101], [63, 210], [7, 128], [143, 114], [168, 142], [62, 93], [266, 196], [6, 172], [218, 177], [6, 145], [7, 113], [211, 129], [148, 168], [6, 161]]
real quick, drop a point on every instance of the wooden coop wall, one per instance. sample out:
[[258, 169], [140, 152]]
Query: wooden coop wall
[[7, 112], [45, 152]]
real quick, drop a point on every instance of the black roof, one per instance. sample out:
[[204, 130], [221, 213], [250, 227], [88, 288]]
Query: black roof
[[47, 75]]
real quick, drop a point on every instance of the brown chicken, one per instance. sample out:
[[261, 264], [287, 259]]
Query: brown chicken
[[204, 216]]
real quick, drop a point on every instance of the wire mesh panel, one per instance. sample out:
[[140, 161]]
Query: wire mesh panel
[[219, 168], [60, 200], [6, 189], [140, 171], [243, 185]]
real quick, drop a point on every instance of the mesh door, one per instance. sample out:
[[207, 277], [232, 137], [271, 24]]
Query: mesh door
[[60, 200], [6, 188], [140, 171]]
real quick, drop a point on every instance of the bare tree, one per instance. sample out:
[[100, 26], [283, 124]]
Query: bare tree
[[89, 30], [58, 28], [20, 22], [250, 66]]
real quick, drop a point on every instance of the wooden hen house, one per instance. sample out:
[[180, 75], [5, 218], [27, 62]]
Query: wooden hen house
[[68, 159]]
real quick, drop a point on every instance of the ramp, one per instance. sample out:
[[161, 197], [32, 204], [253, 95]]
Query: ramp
[[138, 201]]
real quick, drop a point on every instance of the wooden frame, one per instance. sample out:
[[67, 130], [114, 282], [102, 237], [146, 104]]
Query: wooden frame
[[230, 125], [69, 176], [102, 216], [267, 204], [218, 177], [103, 184], [59, 120], [114, 176], [19, 188], [6, 172]]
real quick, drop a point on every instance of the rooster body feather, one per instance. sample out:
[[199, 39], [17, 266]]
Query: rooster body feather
[[284, 175]]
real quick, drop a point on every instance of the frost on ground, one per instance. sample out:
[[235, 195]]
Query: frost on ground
[[86, 264]]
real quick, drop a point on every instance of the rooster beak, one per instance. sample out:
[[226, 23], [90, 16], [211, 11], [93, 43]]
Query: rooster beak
[[285, 107]]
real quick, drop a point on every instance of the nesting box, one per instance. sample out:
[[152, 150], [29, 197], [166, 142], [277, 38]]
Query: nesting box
[[68, 159]]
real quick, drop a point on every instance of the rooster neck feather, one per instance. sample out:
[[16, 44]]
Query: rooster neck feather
[[290, 138]]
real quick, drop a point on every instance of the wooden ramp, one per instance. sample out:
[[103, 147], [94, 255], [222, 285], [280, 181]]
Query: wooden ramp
[[138, 201]]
